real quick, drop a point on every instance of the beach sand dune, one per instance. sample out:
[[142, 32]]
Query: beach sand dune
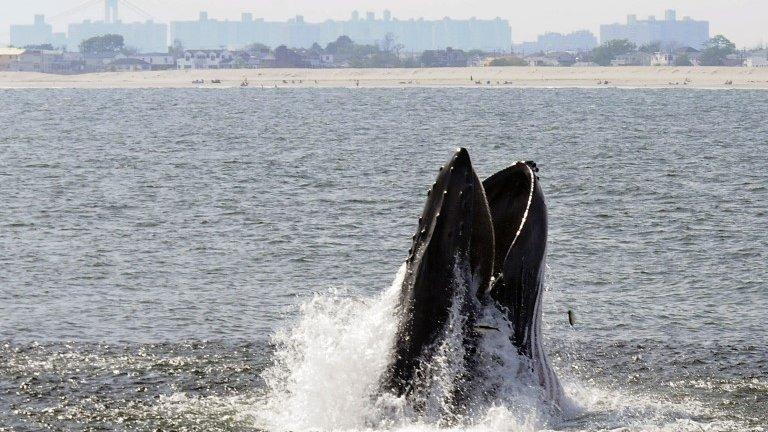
[[633, 77]]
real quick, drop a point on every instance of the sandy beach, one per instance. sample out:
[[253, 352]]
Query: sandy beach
[[524, 77]]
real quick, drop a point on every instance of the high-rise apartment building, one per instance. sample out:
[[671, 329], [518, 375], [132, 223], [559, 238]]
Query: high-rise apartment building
[[669, 32], [414, 34], [38, 33], [145, 36]]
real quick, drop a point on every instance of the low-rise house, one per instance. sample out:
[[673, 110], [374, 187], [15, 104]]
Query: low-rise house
[[734, 60], [314, 59], [448, 57], [158, 61], [266, 59], [756, 61], [326, 60], [129, 64], [542, 61], [311, 58], [662, 59], [259, 58], [637, 58], [563, 58], [288, 58], [342, 60], [9, 55], [48, 61], [33, 61], [205, 59], [244, 60], [692, 54], [475, 61], [99, 62]]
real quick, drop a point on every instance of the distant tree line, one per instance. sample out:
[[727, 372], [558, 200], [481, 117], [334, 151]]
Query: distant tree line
[[389, 54], [715, 53], [108, 44], [344, 51], [717, 50]]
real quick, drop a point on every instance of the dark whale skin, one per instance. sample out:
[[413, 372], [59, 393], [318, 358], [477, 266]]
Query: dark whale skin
[[514, 194], [451, 259], [519, 214]]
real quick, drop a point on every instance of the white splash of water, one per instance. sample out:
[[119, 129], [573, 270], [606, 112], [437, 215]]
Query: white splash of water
[[327, 367], [327, 370]]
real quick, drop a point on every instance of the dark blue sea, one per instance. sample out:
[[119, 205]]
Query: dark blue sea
[[221, 260]]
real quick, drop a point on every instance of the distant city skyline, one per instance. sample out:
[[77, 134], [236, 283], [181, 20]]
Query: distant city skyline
[[743, 21], [667, 31]]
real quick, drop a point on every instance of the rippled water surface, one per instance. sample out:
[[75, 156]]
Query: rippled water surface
[[152, 243]]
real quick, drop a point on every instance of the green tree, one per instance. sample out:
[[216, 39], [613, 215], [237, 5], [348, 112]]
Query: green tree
[[509, 61], [717, 50], [390, 46], [410, 62], [256, 48], [683, 60], [130, 51], [606, 52], [343, 44], [650, 48], [429, 58], [382, 60], [107, 44]]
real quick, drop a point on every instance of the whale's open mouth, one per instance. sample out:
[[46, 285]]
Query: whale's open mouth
[[444, 346], [496, 230]]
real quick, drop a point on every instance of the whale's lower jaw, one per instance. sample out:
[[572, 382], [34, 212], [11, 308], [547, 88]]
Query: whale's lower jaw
[[469, 231], [541, 368], [520, 223]]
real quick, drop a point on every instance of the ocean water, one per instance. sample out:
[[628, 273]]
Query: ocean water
[[224, 260]]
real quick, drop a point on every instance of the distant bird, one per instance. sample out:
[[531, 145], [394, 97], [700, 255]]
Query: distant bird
[[571, 318]]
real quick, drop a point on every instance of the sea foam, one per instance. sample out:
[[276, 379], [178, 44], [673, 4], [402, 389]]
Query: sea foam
[[327, 367]]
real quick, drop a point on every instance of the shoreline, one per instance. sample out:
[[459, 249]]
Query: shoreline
[[642, 77]]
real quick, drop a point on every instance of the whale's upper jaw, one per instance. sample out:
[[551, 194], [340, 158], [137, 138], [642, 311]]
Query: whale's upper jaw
[[448, 213], [455, 232]]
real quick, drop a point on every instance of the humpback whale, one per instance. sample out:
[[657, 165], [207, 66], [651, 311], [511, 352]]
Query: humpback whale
[[452, 251], [478, 244]]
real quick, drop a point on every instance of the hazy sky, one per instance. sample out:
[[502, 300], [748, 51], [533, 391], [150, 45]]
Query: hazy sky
[[743, 21]]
